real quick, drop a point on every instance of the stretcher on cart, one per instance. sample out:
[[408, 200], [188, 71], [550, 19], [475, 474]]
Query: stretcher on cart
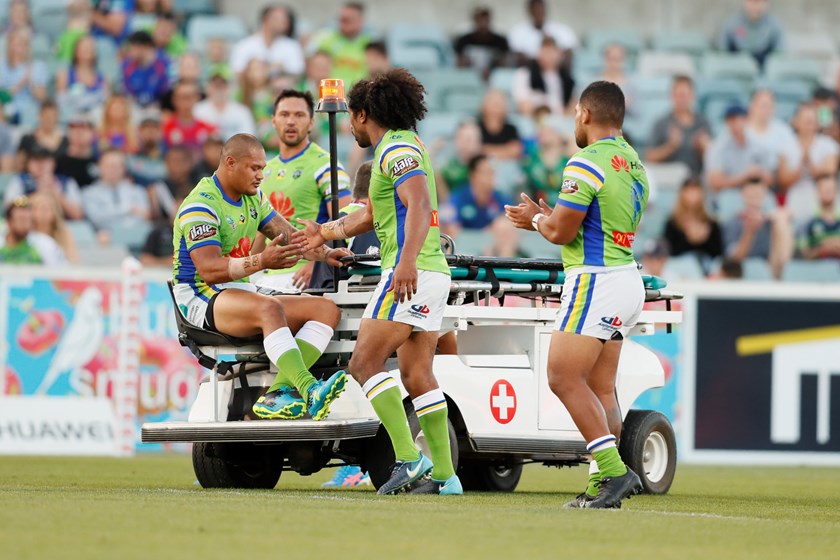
[[502, 413]]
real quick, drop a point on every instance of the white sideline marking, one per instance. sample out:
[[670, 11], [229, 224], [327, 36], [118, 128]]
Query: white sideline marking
[[695, 514]]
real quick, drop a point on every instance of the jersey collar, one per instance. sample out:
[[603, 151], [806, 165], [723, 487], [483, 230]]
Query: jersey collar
[[297, 155], [225, 196], [380, 140]]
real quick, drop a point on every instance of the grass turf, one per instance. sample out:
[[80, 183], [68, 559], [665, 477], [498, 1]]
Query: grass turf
[[148, 507]]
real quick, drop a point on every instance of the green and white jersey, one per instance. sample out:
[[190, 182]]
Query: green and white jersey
[[399, 155], [299, 187], [208, 217], [608, 182]]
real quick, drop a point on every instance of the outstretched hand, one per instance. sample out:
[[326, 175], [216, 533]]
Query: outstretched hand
[[333, 256], [522, 214], [312, 234], [276, 256]]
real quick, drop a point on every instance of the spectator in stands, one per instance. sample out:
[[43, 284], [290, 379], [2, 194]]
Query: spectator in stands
[[112, 18], [654, 257], [145, 70], [255, 92], [146, 165], [812, 155], [681, 135], [19, 18], [114, 201], [480, 207], [177, 183], [182, 128], [188, 68], [735, 156], [7, 142], [157, 249], [482, 48], [79, 24], [753, 31], [273, 43], [117, 129], [211, 155], [39, 175], [22, 77], [217, 59], [376, 57], [755, 233], [691, 229], [827, 103], [48, 136], [78, 161], [525, 38], [166, 36], [776, 135], [22, 244], [229, 117], [454, 174], [318, 67], [48, 219], [615, 60], [152, 7], [81, 87], [544, 82], [346, 44], [820, 238], [544, 163], [499, 138]]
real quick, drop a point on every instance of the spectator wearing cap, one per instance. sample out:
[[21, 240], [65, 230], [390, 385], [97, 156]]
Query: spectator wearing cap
[[525, 38], [345, 44], [145, 70], [181, 128], [22, 244], [146, 165], [218, 109], [114, 201], [682, 135], [752, 30], [273, 43], [482, 48], [79, 159], [39, 176], [23, 77], [81, 87], [111, 18], [735, 156]]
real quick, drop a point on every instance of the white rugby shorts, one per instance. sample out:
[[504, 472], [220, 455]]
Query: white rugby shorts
[[601, 304], [194, 307], [425, 309]]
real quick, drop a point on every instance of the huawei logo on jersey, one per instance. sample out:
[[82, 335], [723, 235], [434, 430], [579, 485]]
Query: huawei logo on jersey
[[242, 249], [282, 204], [619, 164], [623, 238]]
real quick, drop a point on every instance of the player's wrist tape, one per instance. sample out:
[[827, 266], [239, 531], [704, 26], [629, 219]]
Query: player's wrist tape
[[243, 266], [332, 231], [536, 220]]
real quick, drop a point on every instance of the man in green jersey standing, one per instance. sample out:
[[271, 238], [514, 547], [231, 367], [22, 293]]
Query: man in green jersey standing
[[213, 233], [604, 192], [297, 182], [407, 307]]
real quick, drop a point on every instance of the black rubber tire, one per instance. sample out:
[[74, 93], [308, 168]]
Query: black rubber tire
[[648, 434], [490, 476], [254, 468], [378, 454]]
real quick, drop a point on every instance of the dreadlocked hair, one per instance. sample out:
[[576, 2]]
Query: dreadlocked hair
[[393, 99]]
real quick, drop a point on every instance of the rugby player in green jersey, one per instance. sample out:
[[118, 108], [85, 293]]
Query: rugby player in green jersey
[[297, 182], [407, 307], [604, 192], [213, 233]]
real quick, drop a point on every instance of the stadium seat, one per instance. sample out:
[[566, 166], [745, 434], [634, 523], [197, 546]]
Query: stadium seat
[[50, 21], [421, 34], [781, 67], [509, 176], [420, 57], [658, 63], [667, 176], [83, 234], [537, 246], [41, 47], [684, 267], [632, 41], [5, 179], [112, 255], [191, 7], [738, 66], [107, 60], [142, 22], [586, 66], [811, 271], [524, 124], [757, 269], [443, 82], [438, 125], [694, 43], [201, 28], [132, 235], [813, 46], [793, 91], [472, 242], [502, 78]]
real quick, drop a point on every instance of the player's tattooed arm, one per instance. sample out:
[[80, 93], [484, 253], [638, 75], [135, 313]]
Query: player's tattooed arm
[[278, 227], [342, 228]]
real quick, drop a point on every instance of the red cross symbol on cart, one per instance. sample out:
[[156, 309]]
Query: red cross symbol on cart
[[503, 401]]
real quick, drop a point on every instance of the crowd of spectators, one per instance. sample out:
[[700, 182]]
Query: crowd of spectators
[[116, 129]]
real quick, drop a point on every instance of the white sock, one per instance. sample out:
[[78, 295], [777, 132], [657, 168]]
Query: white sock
[[378, 383], [593, 467], [278, 343], [429, 402], [315, 333], [601, 443]]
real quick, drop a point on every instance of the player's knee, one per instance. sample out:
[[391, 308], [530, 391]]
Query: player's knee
[[328, 312], [560, 384], [271, 310]]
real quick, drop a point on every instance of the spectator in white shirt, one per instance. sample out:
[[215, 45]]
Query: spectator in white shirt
[[228, 116], [525, 38], [272, 43], [776, 135], [544, 82], [114, 201]]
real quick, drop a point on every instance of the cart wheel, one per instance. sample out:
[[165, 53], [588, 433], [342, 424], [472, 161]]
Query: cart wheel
[[490, 476], [379, 453], [649, 447], [232, 465]]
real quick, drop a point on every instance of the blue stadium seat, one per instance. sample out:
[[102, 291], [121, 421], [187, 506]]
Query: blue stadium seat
[[663, 63], [586, 65], [684, 267], [443, 82], [502, 78], [811, 271], [537, 246], [667, 176], [438, 125], [509, 177], [132, 236], [793, 91], [112, 256], [421, 34], [50, 21], [201, 28], [738, 66], [632, 41], [414, 58], [757, 269], [83, 234], [191, 7], [781, 67], [472, 242], [5, 179], [694, 43], [142, 22]]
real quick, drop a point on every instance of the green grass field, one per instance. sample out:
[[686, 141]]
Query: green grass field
[[148, 507]]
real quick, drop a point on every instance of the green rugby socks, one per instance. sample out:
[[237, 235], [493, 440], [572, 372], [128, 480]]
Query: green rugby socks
[[384, 395], [432, 413], [605, 452], [282, 350]]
